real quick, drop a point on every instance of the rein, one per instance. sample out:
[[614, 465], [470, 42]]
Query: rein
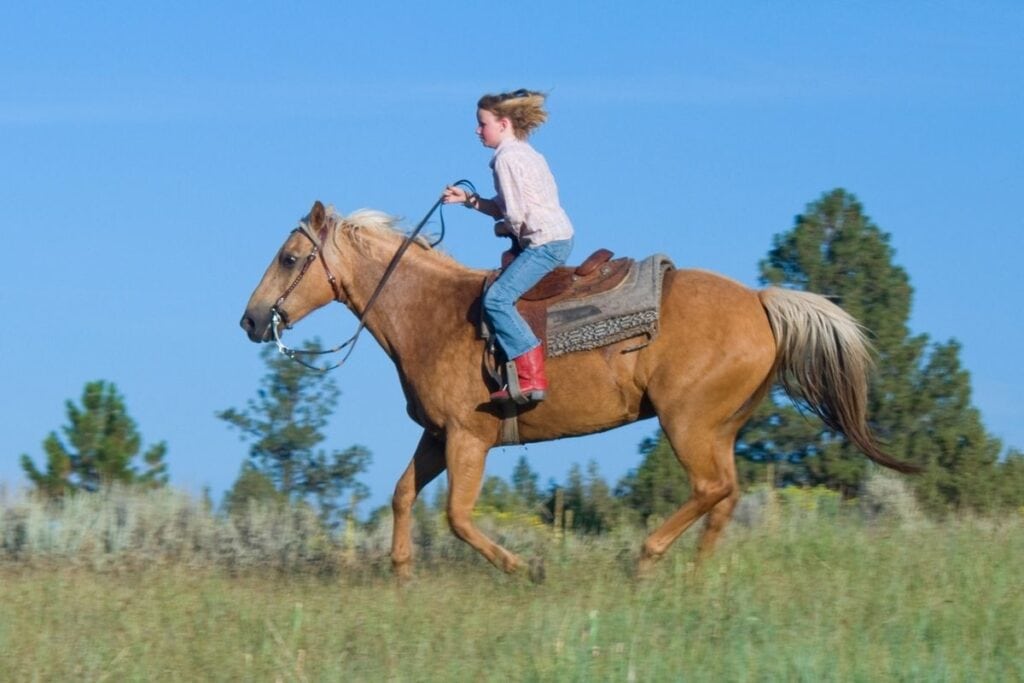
[[277, 319]]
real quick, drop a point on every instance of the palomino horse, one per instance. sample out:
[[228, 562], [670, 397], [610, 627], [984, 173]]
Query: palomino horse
[[719, 348]]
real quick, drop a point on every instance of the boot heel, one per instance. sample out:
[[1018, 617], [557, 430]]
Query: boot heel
[[535, 396]]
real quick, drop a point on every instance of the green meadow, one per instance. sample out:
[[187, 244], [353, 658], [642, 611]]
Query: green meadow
[[796, 593]]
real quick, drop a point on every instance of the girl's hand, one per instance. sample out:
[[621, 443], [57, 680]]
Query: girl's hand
[[454, 195]]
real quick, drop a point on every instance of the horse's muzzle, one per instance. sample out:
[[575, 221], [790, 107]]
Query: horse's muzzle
[[257, 327]]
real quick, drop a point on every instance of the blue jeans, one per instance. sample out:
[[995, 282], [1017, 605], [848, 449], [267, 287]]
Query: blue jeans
[[533, 263]]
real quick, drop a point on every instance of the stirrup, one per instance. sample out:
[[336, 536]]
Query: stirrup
[[504, 396], [511, 392]]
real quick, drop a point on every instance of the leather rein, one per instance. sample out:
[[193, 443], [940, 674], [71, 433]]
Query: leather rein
[[278, 318]]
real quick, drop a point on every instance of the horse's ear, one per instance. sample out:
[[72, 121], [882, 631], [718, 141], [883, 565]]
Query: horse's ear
[[317, 215]]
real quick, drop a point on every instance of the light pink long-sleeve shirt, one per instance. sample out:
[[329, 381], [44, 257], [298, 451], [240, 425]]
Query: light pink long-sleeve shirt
[[527, 195]]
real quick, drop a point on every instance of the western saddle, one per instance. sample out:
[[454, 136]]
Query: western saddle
[[598, 273]]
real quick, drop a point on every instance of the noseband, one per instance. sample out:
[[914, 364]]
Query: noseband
[[278, 318]]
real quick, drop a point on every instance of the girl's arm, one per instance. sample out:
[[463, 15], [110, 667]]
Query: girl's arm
[[484, 206], [457, 195]]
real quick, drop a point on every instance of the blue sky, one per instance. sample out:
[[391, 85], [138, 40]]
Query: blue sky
[[153, 158]]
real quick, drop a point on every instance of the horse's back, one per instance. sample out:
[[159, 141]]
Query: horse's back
[[711, 303]]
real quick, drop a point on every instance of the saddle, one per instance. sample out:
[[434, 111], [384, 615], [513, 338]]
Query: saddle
[[599, 302], [598, 273]]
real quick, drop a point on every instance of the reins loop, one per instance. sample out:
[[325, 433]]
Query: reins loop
[[275, 313]]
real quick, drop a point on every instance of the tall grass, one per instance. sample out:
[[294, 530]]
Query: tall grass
[[800, 590]]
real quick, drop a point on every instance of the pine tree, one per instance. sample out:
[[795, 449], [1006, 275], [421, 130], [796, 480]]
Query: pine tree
[[587, 500], [496, 495], [919, 398], [284, 425], [524, 484], [834, 249], [949, 437], [601, 511], [102, 445], [1010, 481], [252, 486]]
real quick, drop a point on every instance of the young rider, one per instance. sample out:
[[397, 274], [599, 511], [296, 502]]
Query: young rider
[[527, 210]]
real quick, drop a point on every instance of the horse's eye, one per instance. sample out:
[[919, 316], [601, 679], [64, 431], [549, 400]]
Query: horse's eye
[[289, 260]]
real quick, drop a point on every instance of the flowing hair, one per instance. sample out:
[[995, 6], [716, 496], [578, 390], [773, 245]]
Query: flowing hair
[[524, 108]]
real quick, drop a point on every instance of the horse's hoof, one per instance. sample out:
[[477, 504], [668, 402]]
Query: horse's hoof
[[402, 573], [625, 560], [644, 567], [537, 573]]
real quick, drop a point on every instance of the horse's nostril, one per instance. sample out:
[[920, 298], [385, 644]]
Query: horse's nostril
[[247, 323]]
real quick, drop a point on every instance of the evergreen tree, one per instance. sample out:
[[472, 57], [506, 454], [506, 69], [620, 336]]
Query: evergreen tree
[[950, 438], [102, 445], [834, 249], [440, 502], [1011, 481], [252, 486], [588, 499], [919, 398], [601, 511], [496, 495], [524, 484], [573, 496], [427, 526], [284, 425]]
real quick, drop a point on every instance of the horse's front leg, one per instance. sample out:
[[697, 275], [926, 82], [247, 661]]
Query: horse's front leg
[[427, 462], [465, 454]]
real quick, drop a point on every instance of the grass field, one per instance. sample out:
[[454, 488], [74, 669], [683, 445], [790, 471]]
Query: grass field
[[804, 598]]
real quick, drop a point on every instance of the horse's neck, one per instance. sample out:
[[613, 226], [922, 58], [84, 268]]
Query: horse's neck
[[425, 301]]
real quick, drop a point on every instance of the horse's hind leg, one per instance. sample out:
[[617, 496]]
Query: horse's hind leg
[[427, 463], [717, 519], [465, 455], [708, 459]]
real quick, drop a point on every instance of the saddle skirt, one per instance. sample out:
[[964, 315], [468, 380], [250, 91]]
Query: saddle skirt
[[601, 302]]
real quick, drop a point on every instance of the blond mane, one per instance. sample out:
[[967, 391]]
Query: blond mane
[[371, 222]]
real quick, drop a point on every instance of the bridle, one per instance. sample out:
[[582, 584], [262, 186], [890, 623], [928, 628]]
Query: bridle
[[317, 241], [278, 318]]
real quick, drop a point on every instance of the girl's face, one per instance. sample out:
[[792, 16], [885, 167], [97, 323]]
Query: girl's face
[[492, 130]]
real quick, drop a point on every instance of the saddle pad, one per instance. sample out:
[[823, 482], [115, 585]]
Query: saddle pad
[[629, 310]]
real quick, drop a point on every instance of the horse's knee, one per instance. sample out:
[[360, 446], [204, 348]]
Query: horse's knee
[[709, 492], [496, 299], [461, 525], [401, 558], [722, 512], [402, 500]]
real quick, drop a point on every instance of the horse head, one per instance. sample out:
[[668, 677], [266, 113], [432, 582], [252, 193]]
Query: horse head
[[288, 289]]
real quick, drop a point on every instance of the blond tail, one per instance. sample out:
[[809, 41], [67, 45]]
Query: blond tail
[[823, 360]]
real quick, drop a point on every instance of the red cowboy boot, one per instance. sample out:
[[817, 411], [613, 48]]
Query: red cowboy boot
[[533, 383]]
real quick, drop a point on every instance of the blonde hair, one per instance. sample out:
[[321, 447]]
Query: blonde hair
[[524, 108]]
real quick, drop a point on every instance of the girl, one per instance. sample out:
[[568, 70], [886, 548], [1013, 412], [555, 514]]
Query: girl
[[527, 210]]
